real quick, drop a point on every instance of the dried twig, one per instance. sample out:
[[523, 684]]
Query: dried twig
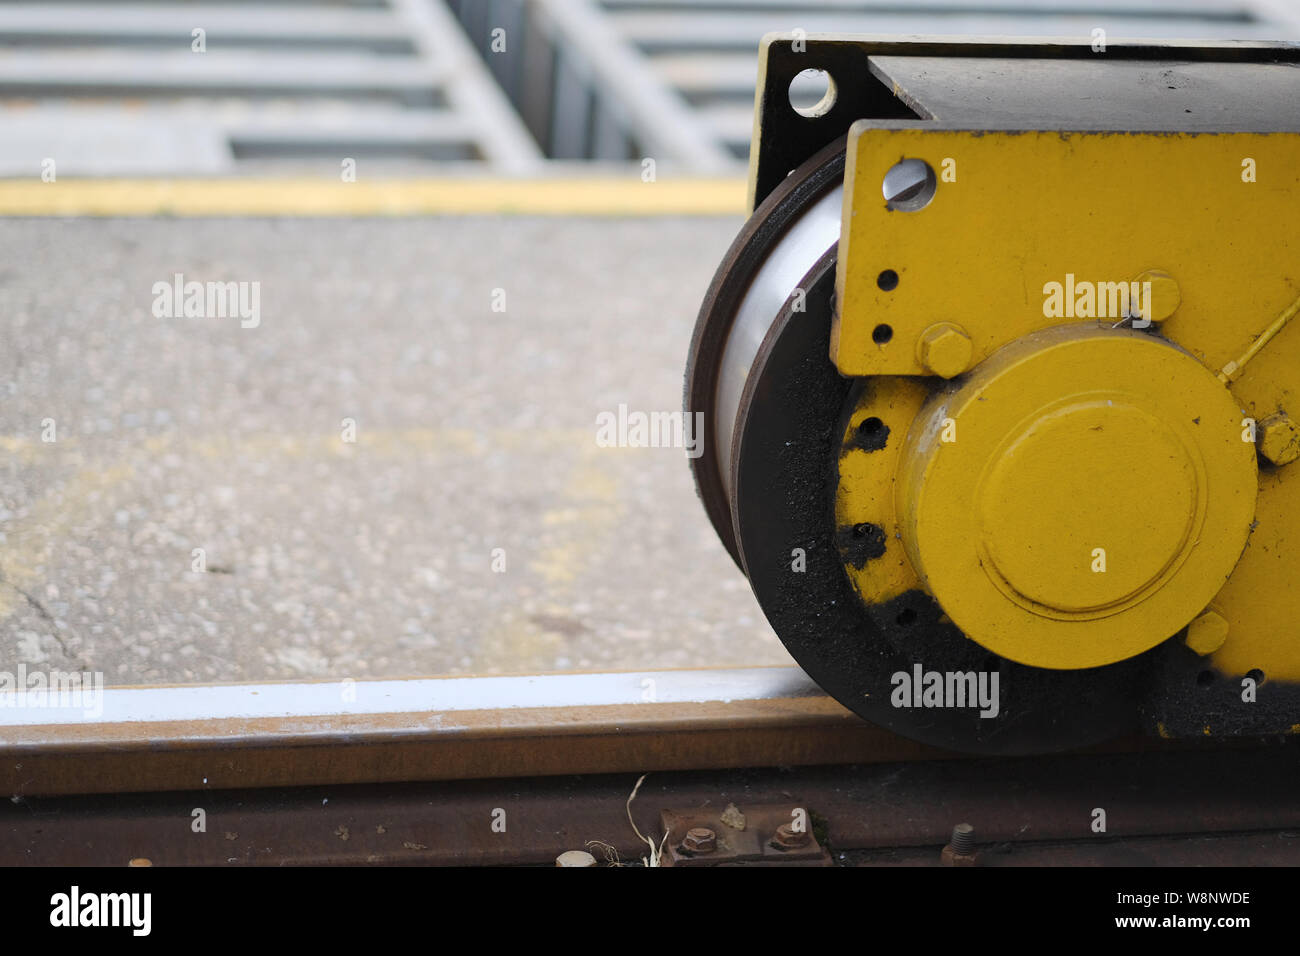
[[656, 852]]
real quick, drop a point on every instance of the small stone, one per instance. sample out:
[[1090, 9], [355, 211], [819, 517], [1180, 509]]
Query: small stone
[[732, 817]]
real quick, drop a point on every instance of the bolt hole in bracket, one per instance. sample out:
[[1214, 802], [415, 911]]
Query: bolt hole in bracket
[[812, 93]]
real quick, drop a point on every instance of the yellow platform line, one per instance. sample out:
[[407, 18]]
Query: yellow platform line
[[411, 197]]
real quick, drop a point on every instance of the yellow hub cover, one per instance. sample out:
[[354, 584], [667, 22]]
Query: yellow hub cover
[[1079, 498]]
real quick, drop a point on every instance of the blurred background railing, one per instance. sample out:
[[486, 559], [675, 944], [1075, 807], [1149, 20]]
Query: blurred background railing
[[152, 88]]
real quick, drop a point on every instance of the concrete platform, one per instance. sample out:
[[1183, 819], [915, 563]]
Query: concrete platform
[[475, 430]]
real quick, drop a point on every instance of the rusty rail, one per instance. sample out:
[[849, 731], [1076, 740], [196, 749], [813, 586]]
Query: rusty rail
[[305, 734]]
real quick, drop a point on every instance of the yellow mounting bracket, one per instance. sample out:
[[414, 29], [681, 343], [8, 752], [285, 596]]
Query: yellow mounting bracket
[[1001, 233]]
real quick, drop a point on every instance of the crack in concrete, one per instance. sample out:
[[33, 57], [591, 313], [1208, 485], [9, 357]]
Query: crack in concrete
[[46, 616]]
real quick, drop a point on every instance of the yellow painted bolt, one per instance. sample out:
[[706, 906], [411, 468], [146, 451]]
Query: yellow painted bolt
[[1206, 634], [1165, 295], [1278, 439], [944, 349]]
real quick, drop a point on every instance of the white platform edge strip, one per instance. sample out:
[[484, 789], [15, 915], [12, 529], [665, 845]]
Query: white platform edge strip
[[212, 702]]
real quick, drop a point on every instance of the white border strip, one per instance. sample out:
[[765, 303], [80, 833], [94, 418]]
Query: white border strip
[[417, 696]]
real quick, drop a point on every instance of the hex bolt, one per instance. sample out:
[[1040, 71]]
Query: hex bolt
[[700, 840], [944, 349], [960, 850], [1165, 294], [1278, 439], [788, 838], [1207, 633], [575, 858]]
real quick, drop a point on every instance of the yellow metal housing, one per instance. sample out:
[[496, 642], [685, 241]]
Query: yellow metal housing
[[1079, 492]]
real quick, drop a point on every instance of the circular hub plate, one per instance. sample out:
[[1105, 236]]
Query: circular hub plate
[[1079, 498]]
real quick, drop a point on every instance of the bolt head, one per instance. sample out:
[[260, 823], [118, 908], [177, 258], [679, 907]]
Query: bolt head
[[1278, 439], [700, 840], [945, 349], [1207, 633], [788, 838], [1165, 294], [575, 858]]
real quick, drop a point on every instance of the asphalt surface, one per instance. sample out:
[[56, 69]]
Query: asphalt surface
[[475, 431]]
